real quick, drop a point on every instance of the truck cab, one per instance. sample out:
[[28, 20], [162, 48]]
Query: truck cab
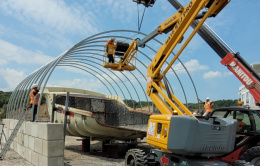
[[247, 146]]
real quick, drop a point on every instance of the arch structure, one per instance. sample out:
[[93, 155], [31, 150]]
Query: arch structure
[[88, 56]]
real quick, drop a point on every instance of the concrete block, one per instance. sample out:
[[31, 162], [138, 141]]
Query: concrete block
[[50, 131], [53, 148], [11, 146], [20, 138], [13, 123], [26, 140], [34, 131], [9, 133], [16, 137], [51, 161], [15, 146], [18, 148], [7, 123], [23, 151], [22, 128], [35, 158], [5, 135], [28, 154], [31, 143], [38, 145], [28, 128]]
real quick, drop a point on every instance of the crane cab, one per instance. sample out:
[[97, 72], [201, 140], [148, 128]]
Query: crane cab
[[123, 55]]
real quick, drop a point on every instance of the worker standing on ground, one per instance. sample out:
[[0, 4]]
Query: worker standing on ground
[[33, 94], [110, 50], [208, 104]]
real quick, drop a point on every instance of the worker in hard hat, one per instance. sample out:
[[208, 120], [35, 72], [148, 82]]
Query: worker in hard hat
[[240, 117], [110, 50], [34, 98], [175, 112], [240, 103], [207, 105]]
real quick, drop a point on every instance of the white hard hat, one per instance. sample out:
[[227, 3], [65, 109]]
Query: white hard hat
[[113, 38], [34, 86], [207, 98]]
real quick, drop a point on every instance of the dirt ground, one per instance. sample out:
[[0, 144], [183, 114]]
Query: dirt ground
[[73, 156]]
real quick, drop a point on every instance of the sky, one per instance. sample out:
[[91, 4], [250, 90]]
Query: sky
[[32, 33]]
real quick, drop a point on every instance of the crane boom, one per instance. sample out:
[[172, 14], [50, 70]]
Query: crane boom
[[180, 23], [234, 62]]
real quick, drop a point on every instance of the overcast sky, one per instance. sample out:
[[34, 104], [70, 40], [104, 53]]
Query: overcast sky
[[32, 33]]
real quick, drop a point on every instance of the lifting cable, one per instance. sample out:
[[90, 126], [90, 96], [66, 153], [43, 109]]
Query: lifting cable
[[139, 25]]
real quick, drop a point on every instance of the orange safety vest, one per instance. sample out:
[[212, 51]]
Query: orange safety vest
[[207, 106], [240, 124], [32, 97]]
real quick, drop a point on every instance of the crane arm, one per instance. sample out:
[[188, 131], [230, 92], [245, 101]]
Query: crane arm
[[180, 23], [242, 70]]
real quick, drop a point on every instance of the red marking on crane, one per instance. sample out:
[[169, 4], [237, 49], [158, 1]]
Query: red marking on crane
[[164, 160]]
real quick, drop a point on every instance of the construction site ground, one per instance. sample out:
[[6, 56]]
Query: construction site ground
[[73, 156]]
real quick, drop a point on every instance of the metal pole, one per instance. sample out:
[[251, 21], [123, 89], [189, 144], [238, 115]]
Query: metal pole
[[65, 112], [53, 106]]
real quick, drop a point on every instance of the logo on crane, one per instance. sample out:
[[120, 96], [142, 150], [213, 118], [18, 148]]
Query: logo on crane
[[239, 71], [179, 22]]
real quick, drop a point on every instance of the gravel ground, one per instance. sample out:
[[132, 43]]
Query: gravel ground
[[14, 159], [73, 156]]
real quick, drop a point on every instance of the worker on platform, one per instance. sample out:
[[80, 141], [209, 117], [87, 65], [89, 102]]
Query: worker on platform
[[240, 117], [207, 105], [34, 98], [110, 45]]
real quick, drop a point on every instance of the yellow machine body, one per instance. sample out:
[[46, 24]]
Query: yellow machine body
[[157, 131]]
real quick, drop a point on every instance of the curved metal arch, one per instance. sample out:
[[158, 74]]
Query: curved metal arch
[[132, 85], [111, 72], [138, 32], [61, 64], [106, 74], [20, 90], [129, 81], [27, 86], [91, 74], [148, 58]]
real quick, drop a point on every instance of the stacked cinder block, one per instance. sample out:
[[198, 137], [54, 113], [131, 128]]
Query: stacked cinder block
[[42, 144]]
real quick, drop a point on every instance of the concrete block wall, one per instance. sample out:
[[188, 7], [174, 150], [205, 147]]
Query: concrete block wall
[[42, 144]]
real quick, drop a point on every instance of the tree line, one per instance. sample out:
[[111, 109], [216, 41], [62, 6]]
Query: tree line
[[191, 106], [4, 98]]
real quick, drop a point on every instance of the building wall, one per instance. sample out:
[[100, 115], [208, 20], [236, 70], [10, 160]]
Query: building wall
[[42, 144]]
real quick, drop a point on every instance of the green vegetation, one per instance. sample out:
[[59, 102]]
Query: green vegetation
[[135, 104], [217, 104], [191, 106], [4, 97]]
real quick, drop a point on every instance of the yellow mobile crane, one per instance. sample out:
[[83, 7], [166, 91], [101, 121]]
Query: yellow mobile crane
[[178, 140]]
